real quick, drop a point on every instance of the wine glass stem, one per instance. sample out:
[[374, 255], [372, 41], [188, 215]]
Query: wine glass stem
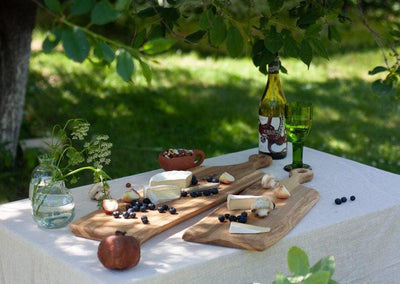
[[297, 155]]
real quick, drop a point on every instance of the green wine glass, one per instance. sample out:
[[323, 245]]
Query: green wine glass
[[298, 120]]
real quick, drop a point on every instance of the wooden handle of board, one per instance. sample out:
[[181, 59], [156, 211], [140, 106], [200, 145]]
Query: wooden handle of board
[[260, 161], [297, 177]]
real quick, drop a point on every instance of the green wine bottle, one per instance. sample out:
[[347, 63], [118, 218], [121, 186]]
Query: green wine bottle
[[271, 112]]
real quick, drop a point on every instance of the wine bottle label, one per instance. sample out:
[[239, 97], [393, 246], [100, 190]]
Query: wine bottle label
[[271, 135]]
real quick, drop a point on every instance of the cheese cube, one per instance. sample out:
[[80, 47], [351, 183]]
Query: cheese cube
[[181, 179]]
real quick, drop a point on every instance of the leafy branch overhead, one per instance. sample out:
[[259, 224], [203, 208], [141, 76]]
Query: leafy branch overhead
[[129, 32]]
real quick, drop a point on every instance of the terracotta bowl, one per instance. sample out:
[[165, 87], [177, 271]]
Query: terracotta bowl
[[183, 162]]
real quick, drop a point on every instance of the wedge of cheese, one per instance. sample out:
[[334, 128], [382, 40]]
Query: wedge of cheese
[[181, 179], [240, 228], [162, 193], [240, 202]]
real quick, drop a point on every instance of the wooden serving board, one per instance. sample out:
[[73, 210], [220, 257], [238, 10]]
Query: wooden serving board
[[281, 220], [97, 224]]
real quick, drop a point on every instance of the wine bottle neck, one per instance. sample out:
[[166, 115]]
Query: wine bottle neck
[[273, 67]]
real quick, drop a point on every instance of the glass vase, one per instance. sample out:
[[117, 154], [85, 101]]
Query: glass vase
[[53, 205], [43, 174]]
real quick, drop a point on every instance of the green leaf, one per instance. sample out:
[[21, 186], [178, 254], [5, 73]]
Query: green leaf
[[275, 5], [139, 38], [121, 5], [156, 31], [52, 40], [104, 51], [273, 40], [308, 18], [196, 36], [206, 20], [381, 88], [146, 70], [234, 41], [217, 32], [320, 277], [333, 34], [324, 264], [103, 13], [290, 46], [261, 56], [75, 44], [53, 5], [80, 7], [319, 48], [305, 52], [125, 66], [377, 69], [313, 30], [147, 13], [157, 45], [298, 261]]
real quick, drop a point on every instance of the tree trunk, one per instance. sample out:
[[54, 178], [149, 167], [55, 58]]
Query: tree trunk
[[17, 18]]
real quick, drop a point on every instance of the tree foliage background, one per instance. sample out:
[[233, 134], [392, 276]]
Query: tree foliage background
[[257, 28]]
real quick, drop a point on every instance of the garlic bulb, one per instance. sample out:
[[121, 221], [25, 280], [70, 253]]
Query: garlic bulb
[[262, 206], [268, 181]]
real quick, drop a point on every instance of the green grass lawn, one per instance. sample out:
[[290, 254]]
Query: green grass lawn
[[209, 104]]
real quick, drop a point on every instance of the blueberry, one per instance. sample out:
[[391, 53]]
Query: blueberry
[[116, 214], [172, 210], [125, 215], [232, 218], [214, 190], [184, 193], [193, 194], [215, 180], [144, 219], [343, 199], [130, 210], [194, 180], [165, 207], [146, 201], [221, 218], [227, 215], [338, 201], [209, 178], [242, 219], [161, 209], [199, 193], [151, 206], [132, 215], [136, 208], [206, 192], [127, 207], [352, 198], [143, 208], [244, 214]]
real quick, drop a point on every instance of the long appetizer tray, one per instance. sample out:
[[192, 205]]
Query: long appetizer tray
[[280, 221]]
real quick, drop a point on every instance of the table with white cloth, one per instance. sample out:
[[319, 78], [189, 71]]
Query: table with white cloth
[[363, 235]]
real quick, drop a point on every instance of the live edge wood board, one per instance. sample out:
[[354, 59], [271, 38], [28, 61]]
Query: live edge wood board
[[287, 214], [98, 225]]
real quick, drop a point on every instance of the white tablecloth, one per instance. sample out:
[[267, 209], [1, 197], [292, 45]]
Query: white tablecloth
[[363, 236]]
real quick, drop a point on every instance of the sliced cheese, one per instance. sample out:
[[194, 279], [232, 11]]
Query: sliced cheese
[[240, 202], [181, 179], [162, 193], [240, 228], [201, 187]]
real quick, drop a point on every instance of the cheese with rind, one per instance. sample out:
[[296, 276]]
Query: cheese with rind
[[181, 179], [241, 228], [162, 193], [240, 202]]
